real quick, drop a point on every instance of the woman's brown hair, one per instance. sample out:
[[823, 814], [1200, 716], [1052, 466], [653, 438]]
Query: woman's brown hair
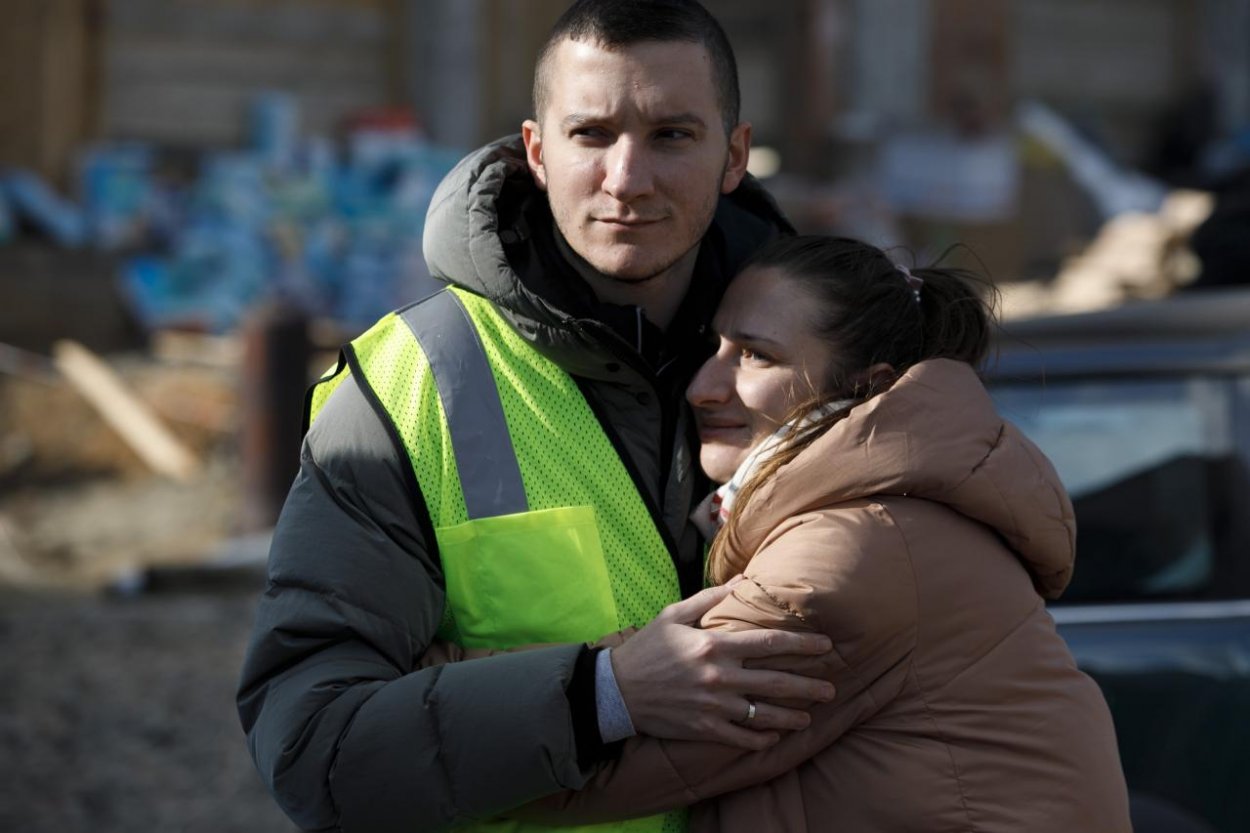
[[872, 313]]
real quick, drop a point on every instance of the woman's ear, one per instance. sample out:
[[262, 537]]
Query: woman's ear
[[875, 378]]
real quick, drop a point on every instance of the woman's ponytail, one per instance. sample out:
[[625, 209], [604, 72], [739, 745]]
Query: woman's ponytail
[[956, 311]]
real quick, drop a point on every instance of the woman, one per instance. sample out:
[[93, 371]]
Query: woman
[[872, 492]]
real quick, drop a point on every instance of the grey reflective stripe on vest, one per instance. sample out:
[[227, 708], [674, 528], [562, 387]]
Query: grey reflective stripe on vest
[[490, 476]]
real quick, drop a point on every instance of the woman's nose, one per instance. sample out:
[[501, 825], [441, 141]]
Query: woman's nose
[[710, 385]]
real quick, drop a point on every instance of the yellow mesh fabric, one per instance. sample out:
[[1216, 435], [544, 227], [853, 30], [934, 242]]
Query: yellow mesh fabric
[[564, 457], [326, 385], [567, 460], [675, 822], [400, 377]]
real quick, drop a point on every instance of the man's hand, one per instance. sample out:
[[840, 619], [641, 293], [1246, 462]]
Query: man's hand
[[683, 683]]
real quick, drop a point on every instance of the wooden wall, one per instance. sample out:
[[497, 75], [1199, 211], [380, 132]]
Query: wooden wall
[[45, 83], [1119, 62], [182, 71]]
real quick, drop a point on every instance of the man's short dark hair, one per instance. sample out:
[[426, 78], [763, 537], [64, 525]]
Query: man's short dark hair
[[618, 23]]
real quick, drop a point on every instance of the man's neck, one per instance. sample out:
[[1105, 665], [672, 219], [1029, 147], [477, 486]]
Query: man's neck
[[659, 296]]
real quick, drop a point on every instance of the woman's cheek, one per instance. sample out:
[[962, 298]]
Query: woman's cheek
[[769, 396]]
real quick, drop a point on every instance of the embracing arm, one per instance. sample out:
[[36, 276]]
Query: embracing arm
[[844, 573], [344, 727], [678, 680]]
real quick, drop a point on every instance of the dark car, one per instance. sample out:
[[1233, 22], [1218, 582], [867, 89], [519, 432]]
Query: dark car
[[1145, 412]]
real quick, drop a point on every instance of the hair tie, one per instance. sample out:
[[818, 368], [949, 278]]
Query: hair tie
[[914, 281]]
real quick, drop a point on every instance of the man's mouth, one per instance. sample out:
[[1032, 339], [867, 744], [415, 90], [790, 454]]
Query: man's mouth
[[626, 222]]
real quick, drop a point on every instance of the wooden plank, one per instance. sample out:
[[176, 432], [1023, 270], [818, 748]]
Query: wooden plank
[[133, 420], [65, 73], [43, 84], [20, 49]]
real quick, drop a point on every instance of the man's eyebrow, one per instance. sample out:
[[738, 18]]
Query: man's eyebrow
[[580, 119], [681, 118]]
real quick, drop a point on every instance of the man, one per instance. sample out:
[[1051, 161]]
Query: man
[[507, 463]]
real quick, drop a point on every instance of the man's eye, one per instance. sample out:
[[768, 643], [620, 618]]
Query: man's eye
[[674, 135], [596, 133]]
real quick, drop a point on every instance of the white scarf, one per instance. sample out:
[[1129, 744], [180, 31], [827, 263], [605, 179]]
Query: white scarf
[[713, 511]]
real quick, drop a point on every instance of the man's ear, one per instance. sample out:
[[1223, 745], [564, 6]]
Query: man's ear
[[739, 155], [531, 134]]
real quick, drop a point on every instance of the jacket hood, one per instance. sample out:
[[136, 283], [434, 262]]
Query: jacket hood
[[476, 231], [934, 435], [462, 239]]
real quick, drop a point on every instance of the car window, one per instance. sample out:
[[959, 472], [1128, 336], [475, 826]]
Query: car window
[[1143, 462]]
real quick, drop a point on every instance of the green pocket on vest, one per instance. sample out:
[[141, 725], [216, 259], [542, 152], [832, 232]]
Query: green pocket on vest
[[528, 578]]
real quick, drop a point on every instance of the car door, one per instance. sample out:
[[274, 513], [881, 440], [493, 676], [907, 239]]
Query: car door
[[1158, 610]]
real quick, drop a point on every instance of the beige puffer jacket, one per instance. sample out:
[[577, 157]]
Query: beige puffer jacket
[[921, 534]]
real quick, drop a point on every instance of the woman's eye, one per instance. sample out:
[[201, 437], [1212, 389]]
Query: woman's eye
[[755, 356]]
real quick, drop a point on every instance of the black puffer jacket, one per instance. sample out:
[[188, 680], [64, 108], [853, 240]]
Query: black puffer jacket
[[346, 731]]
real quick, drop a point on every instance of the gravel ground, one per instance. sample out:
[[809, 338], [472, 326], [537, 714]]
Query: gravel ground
[[117, 714]]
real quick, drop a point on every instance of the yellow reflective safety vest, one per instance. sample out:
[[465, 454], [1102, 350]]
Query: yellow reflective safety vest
[[542, 533]]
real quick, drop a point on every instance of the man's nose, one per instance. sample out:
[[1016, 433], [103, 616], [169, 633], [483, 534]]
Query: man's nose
[[628, 175]]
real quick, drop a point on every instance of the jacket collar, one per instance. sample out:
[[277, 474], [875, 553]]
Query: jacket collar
[[490, 231]]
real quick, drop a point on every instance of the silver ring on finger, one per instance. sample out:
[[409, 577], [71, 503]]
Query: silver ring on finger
[[750, 712]]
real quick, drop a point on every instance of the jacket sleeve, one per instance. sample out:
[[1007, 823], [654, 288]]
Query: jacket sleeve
[[346, 729], [842, 572]]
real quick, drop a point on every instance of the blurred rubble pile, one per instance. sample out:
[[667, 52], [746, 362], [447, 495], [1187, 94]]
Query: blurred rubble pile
[[300, 217], [80, 504], [198, 287], [1142, 249], [1136, 255]]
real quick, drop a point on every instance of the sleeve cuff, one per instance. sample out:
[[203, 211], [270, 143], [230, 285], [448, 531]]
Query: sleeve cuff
[[614, 721]]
